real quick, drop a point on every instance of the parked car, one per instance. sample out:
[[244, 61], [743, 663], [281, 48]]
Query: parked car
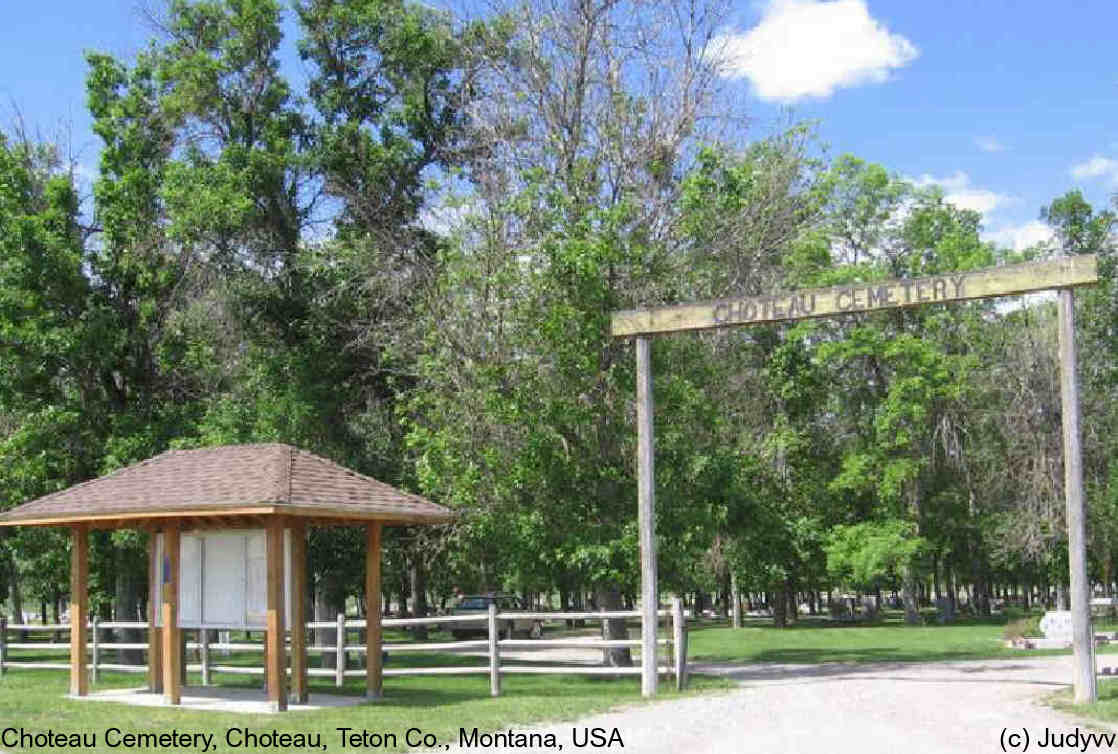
[[475, 604]]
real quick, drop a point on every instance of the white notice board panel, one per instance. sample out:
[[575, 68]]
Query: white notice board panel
[[223, 566], [223, 579], [190, 587]]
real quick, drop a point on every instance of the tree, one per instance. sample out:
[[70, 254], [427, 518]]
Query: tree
[[525, 416]]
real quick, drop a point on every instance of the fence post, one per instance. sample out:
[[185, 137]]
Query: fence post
[[264, 675], [184, 656], [3, 642], [204, 653], [339, 656], [494, 653], [96, 652], [679, 631]]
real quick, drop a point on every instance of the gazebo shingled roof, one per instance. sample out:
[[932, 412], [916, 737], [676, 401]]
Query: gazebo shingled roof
[[242, 480]]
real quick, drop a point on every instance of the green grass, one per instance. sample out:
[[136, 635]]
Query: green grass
[[1104, 710], [819, 640], [36, 700]]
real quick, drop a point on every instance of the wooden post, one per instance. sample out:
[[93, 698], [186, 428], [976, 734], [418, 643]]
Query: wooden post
[[494, 652], [96, 659], [646, 502], [172, 636], [340, 653], [79, 609], [204, 654], [299, 694], [155, 644], [275, 645], [374, 665], [1083, 640], [679, 643], [182, 658], [248, 635]]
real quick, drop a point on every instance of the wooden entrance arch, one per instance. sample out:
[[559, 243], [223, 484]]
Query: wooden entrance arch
[[1063, 274]]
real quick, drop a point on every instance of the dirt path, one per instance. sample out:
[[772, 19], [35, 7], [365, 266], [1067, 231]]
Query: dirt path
[[880, 708]]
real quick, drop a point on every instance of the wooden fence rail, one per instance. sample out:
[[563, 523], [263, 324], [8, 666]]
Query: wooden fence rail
[[675, 647]]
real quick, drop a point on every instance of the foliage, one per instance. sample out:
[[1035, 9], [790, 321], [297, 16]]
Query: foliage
[[407, 259], [869, 555]]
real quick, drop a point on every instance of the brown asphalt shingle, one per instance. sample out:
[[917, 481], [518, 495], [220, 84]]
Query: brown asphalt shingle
[[232, 477]]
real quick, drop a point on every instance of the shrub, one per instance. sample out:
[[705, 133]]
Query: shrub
[[1022, 627]]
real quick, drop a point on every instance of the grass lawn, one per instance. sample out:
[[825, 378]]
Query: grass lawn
[[1104, 710], [819, 640], [35, 700]]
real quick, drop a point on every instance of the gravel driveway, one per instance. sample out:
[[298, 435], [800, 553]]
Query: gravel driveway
[[886, 708]]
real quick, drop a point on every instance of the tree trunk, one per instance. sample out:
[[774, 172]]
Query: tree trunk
[[908, 597], [780, 609], [789, 599], [17, 599], [129, 589], [56, 614], [326, 610], [982, 589], [735, 604], [610, 599], [418, 580]]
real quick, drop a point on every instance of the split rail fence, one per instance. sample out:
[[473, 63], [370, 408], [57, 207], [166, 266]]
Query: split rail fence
[[674, 665]]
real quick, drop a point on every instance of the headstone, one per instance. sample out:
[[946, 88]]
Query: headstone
[[1056, 625], [945, 611], [869, 608]]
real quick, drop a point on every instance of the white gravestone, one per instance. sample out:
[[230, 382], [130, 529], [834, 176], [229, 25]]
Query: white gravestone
[[1056, 624]]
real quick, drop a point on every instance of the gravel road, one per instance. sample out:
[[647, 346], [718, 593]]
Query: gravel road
[[879, 708]]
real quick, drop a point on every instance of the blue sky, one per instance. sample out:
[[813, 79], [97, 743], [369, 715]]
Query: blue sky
[[1006, 104]]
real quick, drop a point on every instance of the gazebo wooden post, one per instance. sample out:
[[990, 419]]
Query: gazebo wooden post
[[79, 608], [374, 665], [172, 635], [275, 654], [155, 650], [299, 692]]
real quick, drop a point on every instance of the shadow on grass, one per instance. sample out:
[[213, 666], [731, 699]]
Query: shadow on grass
[[817, 622], [782, 674], [431, 691], [811, 656]]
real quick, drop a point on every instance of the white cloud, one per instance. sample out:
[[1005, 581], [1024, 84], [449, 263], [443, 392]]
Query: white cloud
[[957, 190], [1020, 237], [809, 48], [1096, 167], [989, 144]]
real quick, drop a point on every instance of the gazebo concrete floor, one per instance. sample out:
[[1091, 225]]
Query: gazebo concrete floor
[[218, 699]]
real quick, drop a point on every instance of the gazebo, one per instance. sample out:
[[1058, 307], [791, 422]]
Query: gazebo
[[257, 501]]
